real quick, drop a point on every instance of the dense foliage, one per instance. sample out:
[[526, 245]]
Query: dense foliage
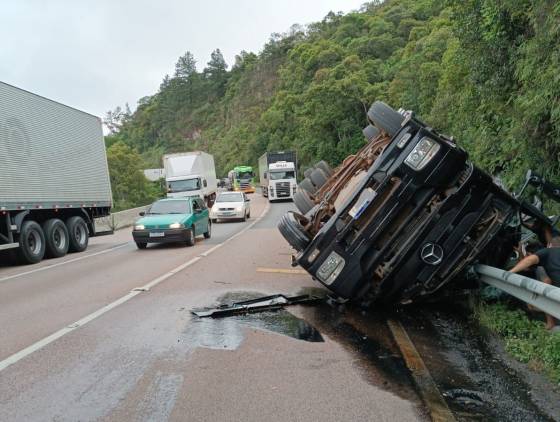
[[481, 70]]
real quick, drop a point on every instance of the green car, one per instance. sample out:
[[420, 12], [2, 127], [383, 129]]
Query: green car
[[172, 220]]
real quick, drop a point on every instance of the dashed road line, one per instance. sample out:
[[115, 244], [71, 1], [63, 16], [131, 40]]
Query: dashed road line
[[16, 357], [58, 264]]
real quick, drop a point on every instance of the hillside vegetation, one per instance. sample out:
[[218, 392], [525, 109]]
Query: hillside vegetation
[[484, 71]]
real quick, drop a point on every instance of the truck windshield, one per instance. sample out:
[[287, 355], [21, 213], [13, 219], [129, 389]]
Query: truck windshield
[[170, 207], [183, 185], [245, 175], [277, 175], [230, 197]]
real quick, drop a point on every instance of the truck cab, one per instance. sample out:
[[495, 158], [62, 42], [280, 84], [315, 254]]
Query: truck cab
[[242, 179], [182, 187], [280, 180]]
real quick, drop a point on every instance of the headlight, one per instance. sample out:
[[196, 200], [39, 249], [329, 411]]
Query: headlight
[[139, 227], [239, 208], [422, 153], [330, 268], [176, 225]]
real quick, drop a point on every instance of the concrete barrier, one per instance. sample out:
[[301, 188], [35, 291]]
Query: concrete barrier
[[119, 220]]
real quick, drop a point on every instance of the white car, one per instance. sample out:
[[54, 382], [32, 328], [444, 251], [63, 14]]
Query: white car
[[230, 205]]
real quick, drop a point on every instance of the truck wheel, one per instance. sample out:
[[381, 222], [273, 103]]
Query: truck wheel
[[209, 231], [31, 243], [293, 231], [141, 245], [319, 177], [303, 201], [190, 236], [56, 238], [323, 165], [307, 185], [77, 233], [370, 132], [308, 172], [385, 118]]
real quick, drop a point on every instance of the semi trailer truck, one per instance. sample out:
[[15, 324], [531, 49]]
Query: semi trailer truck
[[277, 175], [54, 180], [191, 174]]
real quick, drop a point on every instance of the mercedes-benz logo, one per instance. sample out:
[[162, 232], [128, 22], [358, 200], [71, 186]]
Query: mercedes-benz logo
[[432, 254]]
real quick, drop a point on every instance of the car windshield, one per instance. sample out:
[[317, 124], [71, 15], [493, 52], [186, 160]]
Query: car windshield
[[170, 207], [277, 175], [245, 175], [183, 185], [230, 197]]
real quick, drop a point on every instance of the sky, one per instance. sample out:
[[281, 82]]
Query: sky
[[96, 55]]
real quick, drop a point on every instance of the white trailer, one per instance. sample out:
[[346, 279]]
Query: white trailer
[[54, 179], [277, 174], [191, 174]]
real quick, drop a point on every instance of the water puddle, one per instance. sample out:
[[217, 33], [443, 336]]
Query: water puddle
[[227, 333]]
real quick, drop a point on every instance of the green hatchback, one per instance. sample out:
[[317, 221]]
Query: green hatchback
[[172, 220]]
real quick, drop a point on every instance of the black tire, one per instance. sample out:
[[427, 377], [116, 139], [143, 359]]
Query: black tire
[[303, 201], [307, 185], [244, 218], [319, 177], [208, 233], [78, 234], [370, 132], [214, 220], [141, 245], [293, 231], [323, 165], [249, 214], [385, 118], [190, 236], [31, 243], [56, 238], [308, 172]]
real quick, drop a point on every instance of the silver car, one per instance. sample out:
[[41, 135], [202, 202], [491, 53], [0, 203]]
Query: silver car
[[230, 205]]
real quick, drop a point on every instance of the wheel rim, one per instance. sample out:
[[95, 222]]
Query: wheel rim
[[80, 234], [59, 238], [34, 242]]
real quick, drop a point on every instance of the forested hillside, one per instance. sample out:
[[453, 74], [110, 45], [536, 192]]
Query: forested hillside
[[487, 72]]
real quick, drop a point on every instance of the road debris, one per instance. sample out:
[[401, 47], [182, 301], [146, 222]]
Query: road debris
[[261, 304]]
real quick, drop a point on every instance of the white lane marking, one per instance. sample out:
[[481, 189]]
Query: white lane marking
[[58, 264], [16, 357]]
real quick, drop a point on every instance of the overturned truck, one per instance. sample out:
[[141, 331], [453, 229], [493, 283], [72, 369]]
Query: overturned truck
[[403, 217]]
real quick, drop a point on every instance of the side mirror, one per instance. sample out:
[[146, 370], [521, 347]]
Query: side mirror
[[247, 200], [142, 213]]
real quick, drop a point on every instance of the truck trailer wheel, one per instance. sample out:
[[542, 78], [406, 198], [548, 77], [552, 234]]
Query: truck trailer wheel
[[307, 185], [323, 165], [319, 177], [56, 238], [77, 233], [385, 118], [370, 132], [303, 201], [31, 243], [293, 231]]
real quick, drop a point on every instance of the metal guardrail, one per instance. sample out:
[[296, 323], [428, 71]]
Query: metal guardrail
[[541, 295]]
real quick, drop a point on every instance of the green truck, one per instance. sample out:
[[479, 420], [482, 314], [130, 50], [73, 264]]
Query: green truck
[[242, 179]]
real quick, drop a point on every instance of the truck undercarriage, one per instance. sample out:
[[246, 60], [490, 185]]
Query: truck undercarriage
[[401, 218]]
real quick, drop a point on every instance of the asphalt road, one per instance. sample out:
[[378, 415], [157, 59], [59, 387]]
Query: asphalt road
[[77, 344]]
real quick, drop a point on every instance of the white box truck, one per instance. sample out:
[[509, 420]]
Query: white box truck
[[191, 174], [54, 179], [277, 174]]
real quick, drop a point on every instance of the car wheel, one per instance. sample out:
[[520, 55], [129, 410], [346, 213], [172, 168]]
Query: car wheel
[[214, 220], [385, 118], [319, 177], [78, 234], [323, 165], [31, 243], [209, 232], [190, 236], [293, 231], [56, 238], [303, 201], [307, 185], [370, 132], [141, 245]]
